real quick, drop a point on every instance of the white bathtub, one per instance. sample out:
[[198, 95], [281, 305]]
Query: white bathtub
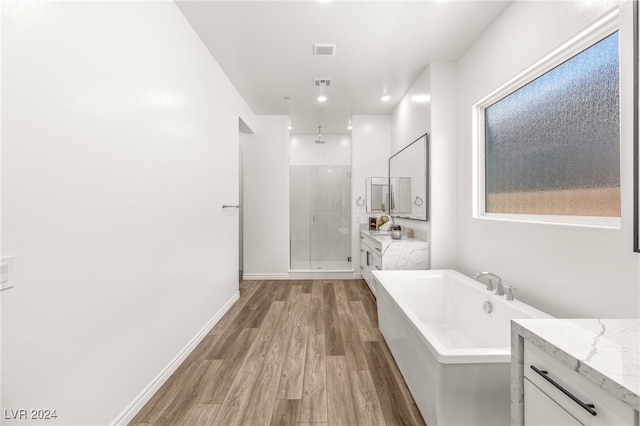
[[454, 357]]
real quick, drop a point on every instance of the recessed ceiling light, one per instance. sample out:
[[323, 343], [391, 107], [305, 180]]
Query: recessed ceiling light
[[349, 127], [322, 98], [324, 49], [385, 98], [290, 127]]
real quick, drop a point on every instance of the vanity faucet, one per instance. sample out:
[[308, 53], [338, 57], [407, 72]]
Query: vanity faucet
[[499, 288]]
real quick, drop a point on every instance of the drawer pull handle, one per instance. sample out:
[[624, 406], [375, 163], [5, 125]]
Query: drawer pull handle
[[377, 267], [378, 249], [361, 251], [544, 374]]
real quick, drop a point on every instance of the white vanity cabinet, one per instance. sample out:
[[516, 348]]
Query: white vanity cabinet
[[584, 403], [541, 410], [380, 251], [370, 258], [575, 372]]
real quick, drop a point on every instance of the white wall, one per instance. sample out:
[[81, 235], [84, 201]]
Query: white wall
[[443, 168], [120, 143], [434, 112], [566, 271], [370, 139], [336, 151], [409, 121], [266, 199]]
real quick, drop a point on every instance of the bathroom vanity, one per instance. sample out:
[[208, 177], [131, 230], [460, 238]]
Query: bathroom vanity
[[575, 372], [379, 251]]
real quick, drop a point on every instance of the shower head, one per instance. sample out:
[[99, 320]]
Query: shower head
[[319, 140]]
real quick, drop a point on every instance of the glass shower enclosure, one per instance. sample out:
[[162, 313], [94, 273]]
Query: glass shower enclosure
[[320, 218]]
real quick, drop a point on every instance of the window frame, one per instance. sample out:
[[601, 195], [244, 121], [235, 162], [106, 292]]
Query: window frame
[[604, 27]]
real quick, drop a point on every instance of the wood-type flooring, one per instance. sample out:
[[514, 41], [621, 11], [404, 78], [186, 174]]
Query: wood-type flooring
[[289, 353]]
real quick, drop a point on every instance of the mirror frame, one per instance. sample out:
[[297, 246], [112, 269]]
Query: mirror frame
[[426, 169], [636, 126]]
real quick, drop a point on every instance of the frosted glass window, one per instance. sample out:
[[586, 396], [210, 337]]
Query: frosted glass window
[[552, 147]]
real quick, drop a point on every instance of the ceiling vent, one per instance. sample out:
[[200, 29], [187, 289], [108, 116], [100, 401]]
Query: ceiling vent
[[323, 49], [322, 82]]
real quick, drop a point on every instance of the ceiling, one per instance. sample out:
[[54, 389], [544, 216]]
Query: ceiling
[[266, 50]]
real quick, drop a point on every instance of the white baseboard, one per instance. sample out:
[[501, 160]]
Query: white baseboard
[[136, 405]]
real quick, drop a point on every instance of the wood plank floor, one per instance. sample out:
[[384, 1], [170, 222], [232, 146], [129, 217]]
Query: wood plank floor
[[289, 353]]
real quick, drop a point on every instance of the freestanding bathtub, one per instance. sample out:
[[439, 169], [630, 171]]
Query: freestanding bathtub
[[454, 357]]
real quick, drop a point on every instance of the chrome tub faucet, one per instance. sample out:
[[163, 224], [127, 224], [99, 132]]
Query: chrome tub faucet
[[509, 290], [499, 288]]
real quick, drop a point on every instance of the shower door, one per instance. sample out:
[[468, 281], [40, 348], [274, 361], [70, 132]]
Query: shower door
[[320, 217], [330, 247]]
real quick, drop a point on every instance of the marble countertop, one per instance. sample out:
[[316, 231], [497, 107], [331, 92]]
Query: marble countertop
[[605, 351], [385, 237]]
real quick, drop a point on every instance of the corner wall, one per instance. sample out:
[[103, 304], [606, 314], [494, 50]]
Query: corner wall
[[567, 271], [370, 141], [266, 199], [443, 166], [409, 121], [119, 146], [433, 112]]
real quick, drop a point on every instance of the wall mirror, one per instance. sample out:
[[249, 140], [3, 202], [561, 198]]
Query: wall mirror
[[409, 181], [377, 194]]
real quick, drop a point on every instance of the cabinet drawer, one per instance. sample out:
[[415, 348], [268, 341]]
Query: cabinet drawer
[[609, 410], [373, 244], [363, 257], [376, 262], [540, 410]]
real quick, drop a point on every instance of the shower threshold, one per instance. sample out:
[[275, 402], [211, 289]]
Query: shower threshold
[[323, 266], [321, 274]]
